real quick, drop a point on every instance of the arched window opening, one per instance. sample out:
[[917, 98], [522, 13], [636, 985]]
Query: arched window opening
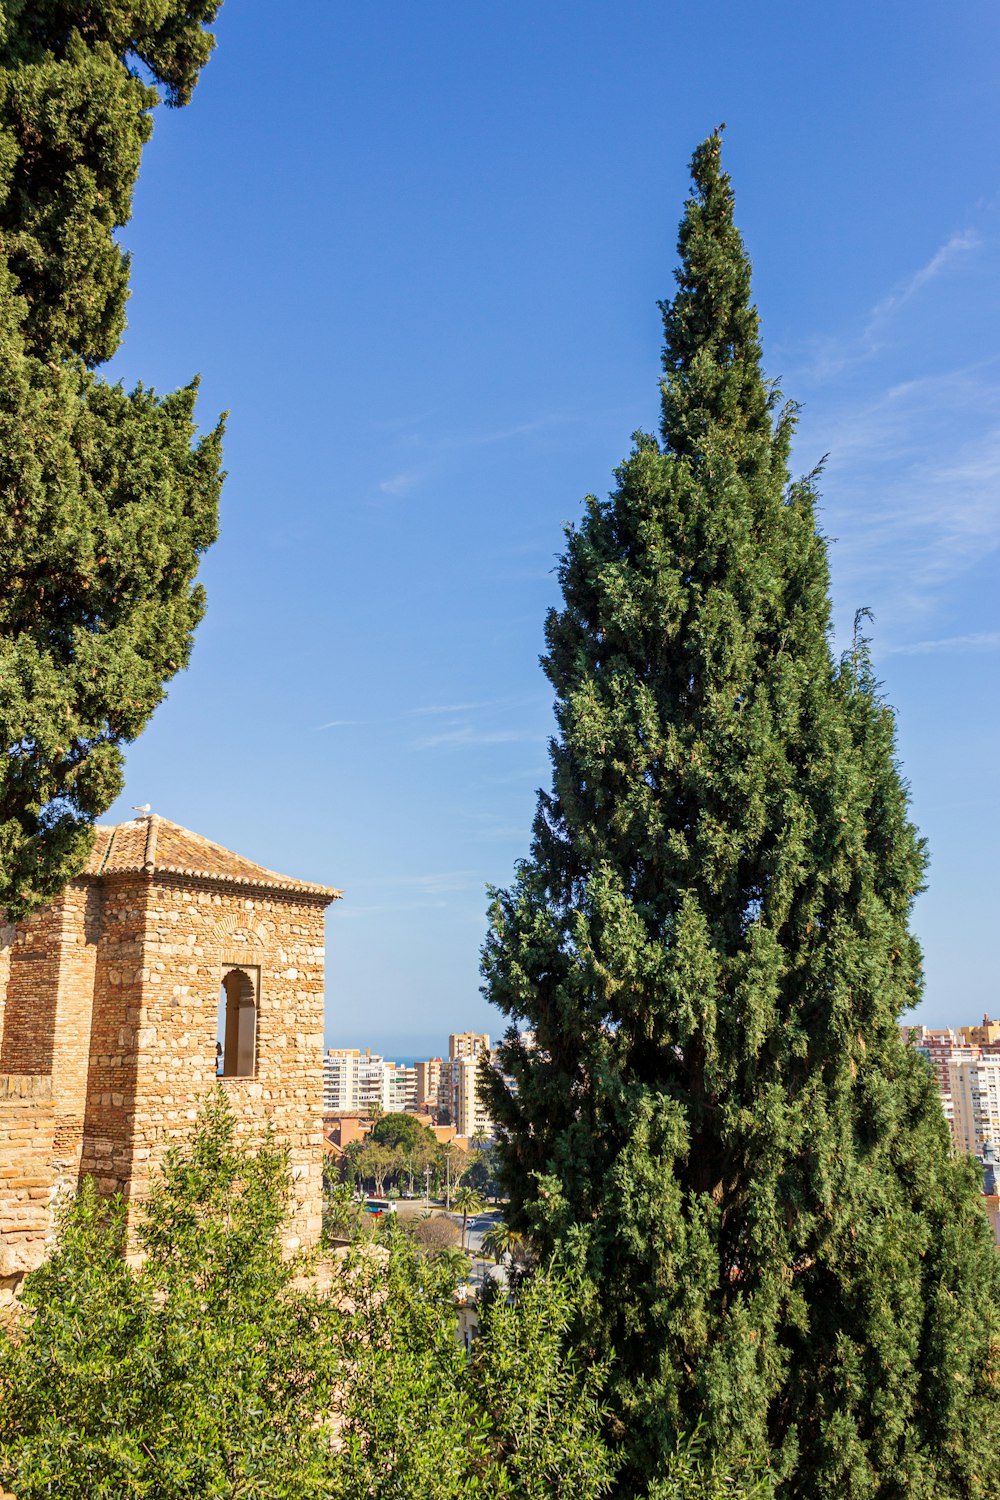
[[236, 1044]]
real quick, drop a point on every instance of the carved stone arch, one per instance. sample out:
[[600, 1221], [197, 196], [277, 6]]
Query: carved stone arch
[[239, 1001], [239, 931]]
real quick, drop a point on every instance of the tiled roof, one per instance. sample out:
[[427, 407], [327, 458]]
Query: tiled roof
[[154, 844]]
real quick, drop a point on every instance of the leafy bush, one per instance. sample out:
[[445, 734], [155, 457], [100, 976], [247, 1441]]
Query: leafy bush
[[203, 1373], [211, 1371]]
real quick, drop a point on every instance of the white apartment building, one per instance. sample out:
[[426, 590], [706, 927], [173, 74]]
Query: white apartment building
[[975, 1096], [341, 1068], [388, 1086], [402, 1087]]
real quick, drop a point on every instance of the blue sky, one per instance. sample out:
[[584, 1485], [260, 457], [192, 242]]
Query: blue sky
[[416, 251]]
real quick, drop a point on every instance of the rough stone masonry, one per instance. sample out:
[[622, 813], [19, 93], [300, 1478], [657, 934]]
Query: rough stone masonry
[[169, 964]]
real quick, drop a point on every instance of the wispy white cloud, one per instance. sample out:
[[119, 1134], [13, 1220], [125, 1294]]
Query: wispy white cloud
[[404, 482], [832, 355], [435, 448], [983, 640], [508, 701], [958, 245], [442, 882], [448, 708], [485, 437], [525, 773], [339, 724], [430, 882], [432, 890], [347, 909], [400, 423], [913, 487], [460, 735]]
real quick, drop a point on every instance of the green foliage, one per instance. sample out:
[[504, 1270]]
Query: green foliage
[[107, 501], [717, 1125], [508, 1246], [211, 1369], [468, 1203], [199, 1374], [376, 1163], [74, 117], [694, 1473], [403, 1133], [344, 1217], [519, 1421]]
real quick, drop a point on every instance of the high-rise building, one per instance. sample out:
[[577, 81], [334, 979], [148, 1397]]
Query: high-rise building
[[941, 1046], [388, 1086], [986, 1035], [428, 1084], [975, 1093], [467, 1044], [468, 1109], [340, 1080], [401, 1087], [371, 1081]]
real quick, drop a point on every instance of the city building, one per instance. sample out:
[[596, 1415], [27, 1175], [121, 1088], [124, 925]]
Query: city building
[[975, 1094], [342, 1129], [469, 1114], [986, 1035], [406, 1083], [383, 1085], [428, 1084], [341, 1079], [467, 1044], [940, 1047]]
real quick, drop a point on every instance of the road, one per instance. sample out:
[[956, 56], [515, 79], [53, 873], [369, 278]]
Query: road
[[478, 1226]]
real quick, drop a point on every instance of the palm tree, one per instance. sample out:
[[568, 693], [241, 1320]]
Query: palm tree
[[467, 1201], [500, 1241], [456, 1261], [451, 1155]]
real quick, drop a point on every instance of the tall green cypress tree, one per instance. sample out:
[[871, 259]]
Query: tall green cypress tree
[[716, 1120], [106, 499]]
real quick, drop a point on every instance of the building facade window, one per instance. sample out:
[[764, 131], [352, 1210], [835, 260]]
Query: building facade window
[[236, 1044]]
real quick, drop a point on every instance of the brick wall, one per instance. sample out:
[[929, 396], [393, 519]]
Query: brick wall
[[27, 1175]]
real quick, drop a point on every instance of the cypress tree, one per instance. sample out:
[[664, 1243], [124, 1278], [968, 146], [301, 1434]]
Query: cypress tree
[[106, 498], [715, 1119]]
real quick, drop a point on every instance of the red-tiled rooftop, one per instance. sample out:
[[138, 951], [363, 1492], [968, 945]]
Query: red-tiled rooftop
[[153, 844]]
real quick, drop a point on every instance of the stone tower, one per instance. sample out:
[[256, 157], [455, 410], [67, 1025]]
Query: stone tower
[[169, 964]]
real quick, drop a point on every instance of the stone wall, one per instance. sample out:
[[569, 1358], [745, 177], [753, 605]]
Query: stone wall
[[109, 1122], [49, 990], [28, 1177], [195, 932], [165, 946], [109, 1019]]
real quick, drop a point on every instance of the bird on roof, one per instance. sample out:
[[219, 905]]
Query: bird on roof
[[145, 807]]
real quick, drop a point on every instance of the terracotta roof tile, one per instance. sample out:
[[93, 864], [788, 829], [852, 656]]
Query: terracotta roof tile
[[155, 844]]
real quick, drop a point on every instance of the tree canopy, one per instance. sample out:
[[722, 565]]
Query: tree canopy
[[215, 1367], [403, 1133], [715, 1117], [107, 498]]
